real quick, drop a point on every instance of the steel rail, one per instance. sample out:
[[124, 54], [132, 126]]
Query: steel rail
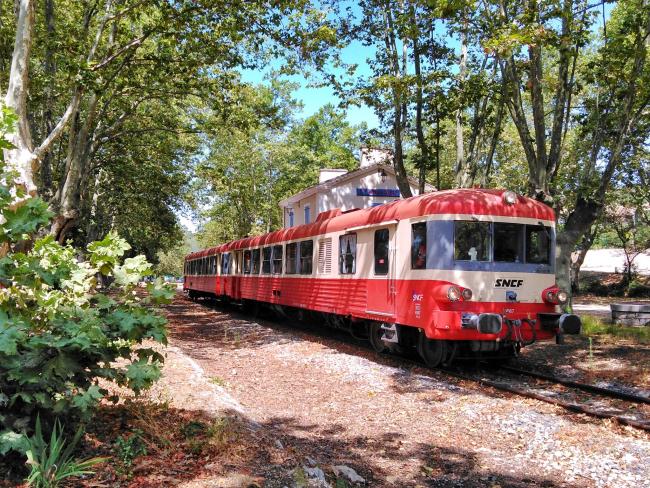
[[573, 407], [621, 395]]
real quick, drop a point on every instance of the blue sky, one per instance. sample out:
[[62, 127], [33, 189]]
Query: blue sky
[[313, 98]]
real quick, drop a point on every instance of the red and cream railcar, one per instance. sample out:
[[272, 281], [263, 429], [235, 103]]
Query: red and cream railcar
[[452, 272]]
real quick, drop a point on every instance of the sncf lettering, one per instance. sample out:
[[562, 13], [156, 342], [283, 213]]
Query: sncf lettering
[[508, 283]]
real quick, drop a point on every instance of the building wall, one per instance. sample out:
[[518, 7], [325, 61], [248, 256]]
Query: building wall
[[299, 211], [345, 195]]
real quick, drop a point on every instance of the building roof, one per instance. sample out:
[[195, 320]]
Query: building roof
[[449, 202], [329, 184]]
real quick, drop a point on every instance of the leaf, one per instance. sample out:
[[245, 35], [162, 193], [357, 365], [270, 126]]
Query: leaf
[[142, 374], [10, 440], [88, 398]]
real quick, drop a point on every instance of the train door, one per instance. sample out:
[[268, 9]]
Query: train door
[[382, 287]]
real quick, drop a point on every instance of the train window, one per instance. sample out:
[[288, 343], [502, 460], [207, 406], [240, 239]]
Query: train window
[[225, 263], [325, 255], [348, 254], [292, 258], [247, 262], [508, 242], [266, 260], [381, 251], [419, 245], [538, 244], [277, 259], [306, 257], [256, 261], [471, 241]]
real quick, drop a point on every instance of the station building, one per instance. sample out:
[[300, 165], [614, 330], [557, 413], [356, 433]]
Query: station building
[[373, 183]]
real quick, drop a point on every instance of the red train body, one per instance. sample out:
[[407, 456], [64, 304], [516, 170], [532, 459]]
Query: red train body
[[457, 272]]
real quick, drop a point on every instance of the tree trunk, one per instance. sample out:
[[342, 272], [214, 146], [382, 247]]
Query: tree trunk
[[461, 167], [21, 159], [584, 215], [67, 199], [425, 155], [576, 264]]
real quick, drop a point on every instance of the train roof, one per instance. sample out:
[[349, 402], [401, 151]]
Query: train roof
[[452, 202]]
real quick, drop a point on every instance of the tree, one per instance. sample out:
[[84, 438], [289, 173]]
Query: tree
[[117, 62], [607, 119]]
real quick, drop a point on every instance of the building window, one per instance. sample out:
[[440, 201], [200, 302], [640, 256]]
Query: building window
[[256, 261], [247, 262], [277, 259], [307, 214], [266, 260], [381, 251], [419, 245], [471, 241], [348, 254], [306, 257], [290, 217], [292, 258]]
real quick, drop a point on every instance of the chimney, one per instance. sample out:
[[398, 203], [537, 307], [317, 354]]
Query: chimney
[[327, 174]]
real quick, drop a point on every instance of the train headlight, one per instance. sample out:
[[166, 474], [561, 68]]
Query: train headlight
[[551, 296], [562, 297], [510, 197], [467, 294], [453, 293]]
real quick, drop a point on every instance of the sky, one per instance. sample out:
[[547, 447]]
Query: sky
[[313, 98]]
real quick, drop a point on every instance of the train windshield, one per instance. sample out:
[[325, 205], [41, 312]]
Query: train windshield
[[502, 242]]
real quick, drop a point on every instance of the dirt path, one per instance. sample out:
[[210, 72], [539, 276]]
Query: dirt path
[[324, 403]]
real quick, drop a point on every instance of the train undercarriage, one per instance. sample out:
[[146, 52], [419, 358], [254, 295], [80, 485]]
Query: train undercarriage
[[398, 339]]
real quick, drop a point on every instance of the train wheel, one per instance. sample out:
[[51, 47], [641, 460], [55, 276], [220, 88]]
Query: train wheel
[[431, 351], [374, 336]]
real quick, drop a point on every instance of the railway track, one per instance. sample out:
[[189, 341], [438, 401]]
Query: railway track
[[570, 395]]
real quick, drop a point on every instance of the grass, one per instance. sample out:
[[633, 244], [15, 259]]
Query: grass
[[215, 380], [591, 326]]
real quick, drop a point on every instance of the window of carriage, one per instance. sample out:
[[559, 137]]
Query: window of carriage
[[247, 262], [348, 254], [381, 251], [325, 256], [508, 242], [306, 257], [225, 263], [277, 259], [266, 260], [292, 258], [471, 241], [256, 261], [538, 244], [419, 245]]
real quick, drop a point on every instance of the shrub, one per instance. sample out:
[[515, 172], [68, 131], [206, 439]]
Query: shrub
[[52, 462], [59, 332]]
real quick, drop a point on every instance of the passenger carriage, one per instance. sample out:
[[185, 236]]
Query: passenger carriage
[[451, 273]]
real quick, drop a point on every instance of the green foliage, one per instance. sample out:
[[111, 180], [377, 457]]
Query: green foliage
[[61, 332], [591, 327], [52, 462], [244, 197], [129, 448]]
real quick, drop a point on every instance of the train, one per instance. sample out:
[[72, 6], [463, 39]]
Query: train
[[464, 273]]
